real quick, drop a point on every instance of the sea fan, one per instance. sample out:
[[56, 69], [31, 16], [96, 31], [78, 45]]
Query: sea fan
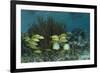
[[46, 28]]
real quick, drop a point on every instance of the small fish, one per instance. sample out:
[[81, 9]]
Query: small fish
[[37, 51], [36, 40]]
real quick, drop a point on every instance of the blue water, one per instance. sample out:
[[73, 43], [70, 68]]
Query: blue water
[[71, 19]]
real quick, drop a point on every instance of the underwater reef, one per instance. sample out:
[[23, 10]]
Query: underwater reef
[[48, 40]]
